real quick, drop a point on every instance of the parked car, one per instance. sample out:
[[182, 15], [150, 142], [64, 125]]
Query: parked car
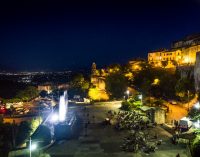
[[3, 109]]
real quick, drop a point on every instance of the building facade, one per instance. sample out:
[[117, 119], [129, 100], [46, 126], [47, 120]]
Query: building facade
[[182, 53], [197, 73], [98, 81]]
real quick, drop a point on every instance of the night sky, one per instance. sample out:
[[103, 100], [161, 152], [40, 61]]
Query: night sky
[[57, 35]]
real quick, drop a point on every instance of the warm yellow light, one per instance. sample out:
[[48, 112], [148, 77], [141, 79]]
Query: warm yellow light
[[187, 60], [96, 94], [156, 81]]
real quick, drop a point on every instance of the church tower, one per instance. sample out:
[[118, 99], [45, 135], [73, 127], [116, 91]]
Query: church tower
[[94, 69]]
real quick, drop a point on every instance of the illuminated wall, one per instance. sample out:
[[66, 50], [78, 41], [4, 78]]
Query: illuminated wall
[[47, 88], [98, 92], [175, 57]]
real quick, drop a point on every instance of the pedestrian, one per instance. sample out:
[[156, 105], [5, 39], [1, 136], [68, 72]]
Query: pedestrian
[[93, 117]]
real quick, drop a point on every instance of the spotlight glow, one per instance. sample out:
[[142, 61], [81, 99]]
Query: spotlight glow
[[197, 105], [196, 124], [33, 146], [54, 118], [140, 96]]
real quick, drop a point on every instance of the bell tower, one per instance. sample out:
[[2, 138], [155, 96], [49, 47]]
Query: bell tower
[[93, 69]]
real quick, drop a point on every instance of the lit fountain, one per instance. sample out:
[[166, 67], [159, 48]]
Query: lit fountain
[[63, 107], [66, 119]]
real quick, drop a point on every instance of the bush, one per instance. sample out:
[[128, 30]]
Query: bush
[[5, 138], [23, 133], [196, 146], [42, 134], [131, 104], [126, 106]]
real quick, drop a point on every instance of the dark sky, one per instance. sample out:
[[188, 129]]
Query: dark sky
[[57, 35]]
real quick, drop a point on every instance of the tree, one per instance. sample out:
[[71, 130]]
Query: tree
[[174, 62], [6, 138], [145, 81], [23, 133], [114, 68], [196, 146], [77, 81], [116, 85], [43, 93], [43, 134], [194, 114], [183, 86], [79, 85], [164, 63], [28, 93]]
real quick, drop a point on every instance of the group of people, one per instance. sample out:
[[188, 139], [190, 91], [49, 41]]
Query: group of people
[[137, 123], [131, 120], [138, 140]]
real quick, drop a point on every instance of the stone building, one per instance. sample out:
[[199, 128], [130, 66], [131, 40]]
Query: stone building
[[99, 87], [155, 114], [197, 72], [159, 116], [181, 53], [48, 87]]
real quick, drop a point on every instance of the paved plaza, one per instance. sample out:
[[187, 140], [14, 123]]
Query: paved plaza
[[105, 141]]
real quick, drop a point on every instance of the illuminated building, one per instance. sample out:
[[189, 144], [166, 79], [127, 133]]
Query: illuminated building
[[45, 87], [98, 92], [136, 65], [182, 53]]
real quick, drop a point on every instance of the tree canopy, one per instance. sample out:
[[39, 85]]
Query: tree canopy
[[116, 85]]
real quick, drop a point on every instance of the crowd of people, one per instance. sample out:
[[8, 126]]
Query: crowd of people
[[137, 123], [139, 140], [129, 120]]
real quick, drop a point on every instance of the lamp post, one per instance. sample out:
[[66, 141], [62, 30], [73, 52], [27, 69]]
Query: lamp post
[[188, 93], [140, 97], [127, 92], [32, 146], [197, 106]]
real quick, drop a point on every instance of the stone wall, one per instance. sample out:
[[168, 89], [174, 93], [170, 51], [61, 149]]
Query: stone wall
[[159, 116], [197, 72], [186, 71]]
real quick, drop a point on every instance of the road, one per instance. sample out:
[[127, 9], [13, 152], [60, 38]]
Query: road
[[176, 112]]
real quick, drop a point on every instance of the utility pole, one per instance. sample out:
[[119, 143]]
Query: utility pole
[[30, 146], [188, 93], [13, 133]]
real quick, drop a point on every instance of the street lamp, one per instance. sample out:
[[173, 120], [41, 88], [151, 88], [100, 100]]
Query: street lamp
[[127, 92], [54, 118], [197, 124], [188, 93], [32, 147], [197, 105], [140, 97]]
